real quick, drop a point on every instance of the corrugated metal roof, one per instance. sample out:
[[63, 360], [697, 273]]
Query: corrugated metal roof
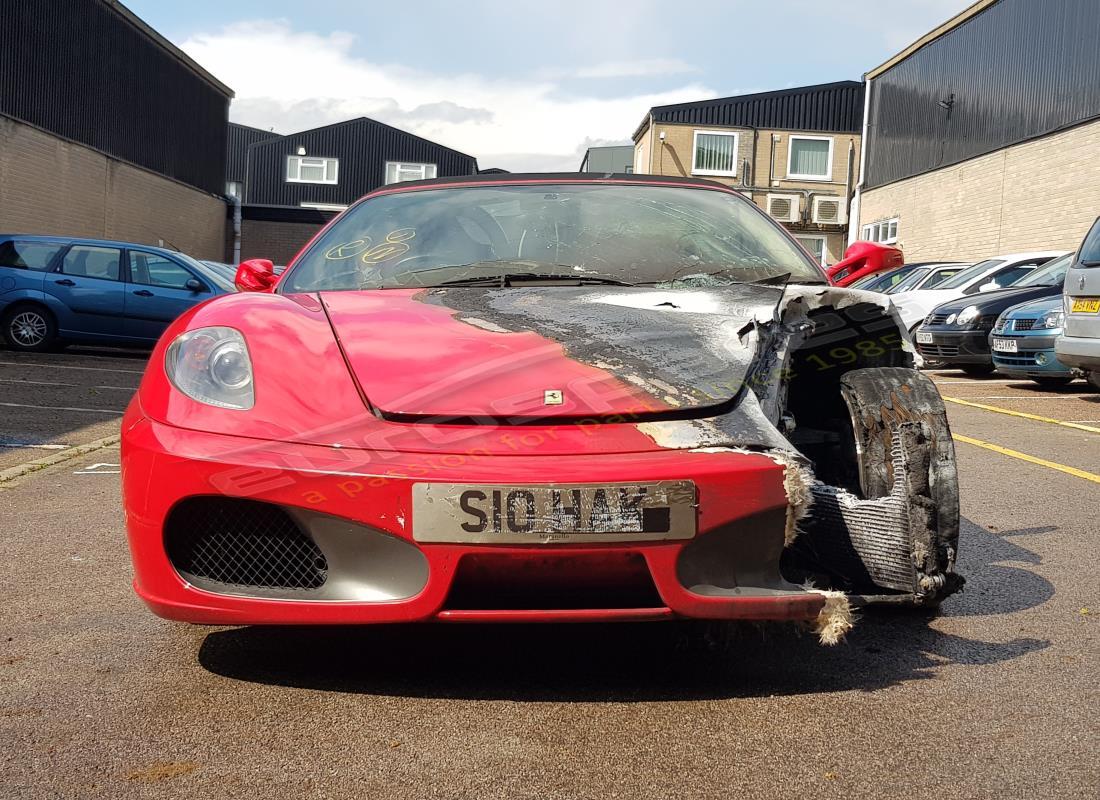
[[362, 146], [824, 107]]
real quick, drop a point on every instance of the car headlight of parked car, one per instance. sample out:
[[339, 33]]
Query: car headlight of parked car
[[969, 315], [1052, 319], [212, 365]]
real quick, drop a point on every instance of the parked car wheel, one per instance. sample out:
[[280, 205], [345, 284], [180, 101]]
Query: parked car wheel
[[976, 370], [1094, 379], [1053, 383], [30, 328]]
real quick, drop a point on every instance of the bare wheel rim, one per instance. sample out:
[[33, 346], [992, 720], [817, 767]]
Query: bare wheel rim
[[28, 328]]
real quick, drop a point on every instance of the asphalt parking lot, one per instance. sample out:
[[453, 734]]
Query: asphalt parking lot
[[995, 696]]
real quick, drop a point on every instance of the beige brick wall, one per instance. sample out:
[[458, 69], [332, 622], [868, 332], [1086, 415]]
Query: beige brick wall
[[1039, 195], [52, 186]]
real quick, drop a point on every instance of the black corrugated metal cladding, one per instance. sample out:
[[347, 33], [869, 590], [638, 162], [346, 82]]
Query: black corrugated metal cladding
[[1017, 70], [363, 146], [826, 107], [236, 151], [79, 69]]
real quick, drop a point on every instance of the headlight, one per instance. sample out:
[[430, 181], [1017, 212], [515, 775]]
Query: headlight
[[1052, 319], [211, 365], [969, 315]]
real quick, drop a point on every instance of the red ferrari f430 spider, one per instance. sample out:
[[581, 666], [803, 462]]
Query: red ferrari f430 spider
[[542, 398]]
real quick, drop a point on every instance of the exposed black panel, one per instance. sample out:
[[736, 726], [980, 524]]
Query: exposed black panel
[[1017, 70], [363, 146], [825, 107], [236, 151], [82, 69]]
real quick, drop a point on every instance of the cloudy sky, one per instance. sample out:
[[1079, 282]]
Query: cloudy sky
[[524, 84]]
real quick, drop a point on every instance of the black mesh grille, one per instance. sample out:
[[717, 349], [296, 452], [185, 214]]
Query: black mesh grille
[[242, 542], [941, 350], [1023, 324]]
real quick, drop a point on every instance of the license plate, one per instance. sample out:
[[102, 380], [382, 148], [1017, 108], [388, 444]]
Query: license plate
[[1004, 345], [924, 338], [605, 512], [1086, 305]]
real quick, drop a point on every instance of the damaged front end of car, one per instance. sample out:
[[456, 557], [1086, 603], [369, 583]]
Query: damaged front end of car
[[819, 379]]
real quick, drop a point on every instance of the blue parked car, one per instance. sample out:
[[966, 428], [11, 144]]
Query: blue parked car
[[1022, 342], [55, 290]]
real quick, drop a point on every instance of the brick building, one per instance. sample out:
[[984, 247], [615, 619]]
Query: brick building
[[795, 152], [983, 136], [108, 130]]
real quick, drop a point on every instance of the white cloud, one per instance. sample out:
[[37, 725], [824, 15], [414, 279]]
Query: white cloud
[[291, 80]]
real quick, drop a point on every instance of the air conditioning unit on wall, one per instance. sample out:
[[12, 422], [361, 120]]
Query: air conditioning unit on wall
[[784, 207], [829, 210]]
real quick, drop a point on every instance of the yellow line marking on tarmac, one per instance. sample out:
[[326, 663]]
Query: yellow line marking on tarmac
[[996, 448], [1023, 414]]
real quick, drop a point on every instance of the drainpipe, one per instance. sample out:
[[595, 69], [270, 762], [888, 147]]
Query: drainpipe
[[853, 210], [236, 230]]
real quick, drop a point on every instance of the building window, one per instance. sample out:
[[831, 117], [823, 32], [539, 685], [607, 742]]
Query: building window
[[398, 171], [810, 158], [715, 153], [816, 246], [884, 232], [233, 189], [306, 169]]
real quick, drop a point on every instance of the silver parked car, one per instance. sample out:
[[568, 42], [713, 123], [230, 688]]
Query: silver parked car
[[1079, 344]]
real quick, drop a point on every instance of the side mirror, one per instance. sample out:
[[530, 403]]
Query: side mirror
[[194, 285], [256, 275], [989, 287]]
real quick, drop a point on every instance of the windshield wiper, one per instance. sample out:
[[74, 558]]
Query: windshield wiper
[[513, 278]]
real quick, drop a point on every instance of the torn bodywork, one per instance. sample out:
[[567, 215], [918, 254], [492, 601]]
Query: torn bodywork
[[822, 380]]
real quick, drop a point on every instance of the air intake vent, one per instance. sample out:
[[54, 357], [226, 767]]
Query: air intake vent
[[783, 207], [242, 543]]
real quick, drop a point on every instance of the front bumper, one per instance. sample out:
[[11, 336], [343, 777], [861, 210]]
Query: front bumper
[[1034, 357], [729, 570], [955, 346]]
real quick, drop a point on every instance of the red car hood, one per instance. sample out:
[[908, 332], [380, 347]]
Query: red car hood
[[603, 352]]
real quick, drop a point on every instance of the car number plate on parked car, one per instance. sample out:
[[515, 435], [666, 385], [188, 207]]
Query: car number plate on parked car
[[1004, 345], [1086, 305], [606, 512], [924, 338]]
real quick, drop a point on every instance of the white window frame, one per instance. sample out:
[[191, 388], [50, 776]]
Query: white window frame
[[828, 177], [824, 244], [294, 169], [404, 165], [695, 150], [879, 231]]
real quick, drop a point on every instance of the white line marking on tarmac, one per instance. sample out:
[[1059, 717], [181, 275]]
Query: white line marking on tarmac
[[70, 385], [32, 446], [69, 366], [100, 468], [110, 411]]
